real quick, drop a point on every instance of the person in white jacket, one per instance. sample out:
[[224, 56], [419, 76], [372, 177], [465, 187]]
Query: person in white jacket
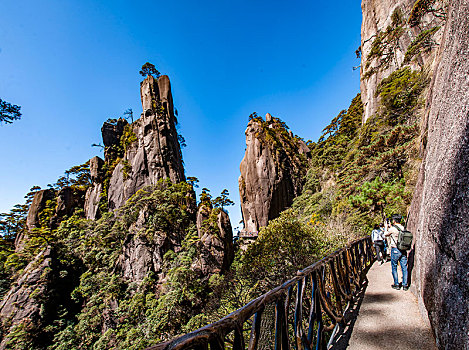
[[377, 237], [392, 231]]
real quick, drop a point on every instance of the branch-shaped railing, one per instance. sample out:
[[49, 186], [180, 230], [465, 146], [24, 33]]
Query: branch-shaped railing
[[323, 289]]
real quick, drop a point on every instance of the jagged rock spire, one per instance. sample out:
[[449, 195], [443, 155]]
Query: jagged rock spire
[[272, 171], [155, 152]]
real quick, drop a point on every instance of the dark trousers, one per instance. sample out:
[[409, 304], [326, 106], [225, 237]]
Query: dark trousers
[[379, 247]]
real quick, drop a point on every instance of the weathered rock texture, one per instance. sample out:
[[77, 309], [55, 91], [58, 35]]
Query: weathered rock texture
[[143, 249], [67, 200], [112, 133], [93, 194], [37, 206], [272, 171], [32, 221], [142, 254], [18, 305], [383, 53], [217, 252], [36, 298], [440, 208], [156, 153]]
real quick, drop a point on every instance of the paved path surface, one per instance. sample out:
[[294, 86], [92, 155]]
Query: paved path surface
[[389, 318]]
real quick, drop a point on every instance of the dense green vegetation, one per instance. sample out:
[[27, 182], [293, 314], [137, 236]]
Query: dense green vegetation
[[359, 173], [384, 44], [422, 43]]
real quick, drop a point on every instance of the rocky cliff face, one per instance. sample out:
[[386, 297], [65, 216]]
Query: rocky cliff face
[[142, 160], [152, 150], [34, 301], [93, 194], [272, 171], [396, 32], [440, 209], [32, 221], [67, 200], [216, 236], [17, 307]]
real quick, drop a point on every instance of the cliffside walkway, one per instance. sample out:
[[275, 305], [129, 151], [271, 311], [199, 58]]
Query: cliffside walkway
[[388, 318]]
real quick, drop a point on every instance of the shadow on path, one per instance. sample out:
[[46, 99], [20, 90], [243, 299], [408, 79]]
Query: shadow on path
[[342, 338]]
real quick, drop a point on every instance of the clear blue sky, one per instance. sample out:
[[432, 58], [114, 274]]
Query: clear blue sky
[[73, 64]]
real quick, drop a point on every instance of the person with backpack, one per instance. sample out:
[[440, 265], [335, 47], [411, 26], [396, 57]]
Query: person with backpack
[[377, 237], [400, 242]]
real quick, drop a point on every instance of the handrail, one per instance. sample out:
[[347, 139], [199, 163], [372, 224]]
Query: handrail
[[324, 288]]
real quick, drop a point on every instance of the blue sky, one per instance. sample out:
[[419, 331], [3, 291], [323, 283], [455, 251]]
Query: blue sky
[[73, 64]]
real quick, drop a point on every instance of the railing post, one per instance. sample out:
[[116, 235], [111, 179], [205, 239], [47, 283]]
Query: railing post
[[299, 314], [238, 338], [217, 343], [255, 330], [281, 335]]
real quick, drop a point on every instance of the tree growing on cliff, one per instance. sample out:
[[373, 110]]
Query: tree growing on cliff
[[9, 112], [193, 181], [149, 69], [129, 114], [222, 200], [205, 196]]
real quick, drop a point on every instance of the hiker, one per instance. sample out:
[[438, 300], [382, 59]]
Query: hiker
[[392, 231], [387, 253], [377, 237]]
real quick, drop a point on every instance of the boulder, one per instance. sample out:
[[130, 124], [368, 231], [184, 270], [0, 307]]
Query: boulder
[[37, 205], [96, 169]]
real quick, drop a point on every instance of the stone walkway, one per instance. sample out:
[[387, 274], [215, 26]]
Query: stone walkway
[[389, 318]]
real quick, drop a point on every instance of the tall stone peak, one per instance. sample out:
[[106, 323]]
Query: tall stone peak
[[151, 149], [272, 171]]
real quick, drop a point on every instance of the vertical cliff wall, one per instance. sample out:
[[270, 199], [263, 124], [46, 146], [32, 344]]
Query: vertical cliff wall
[[272, 171], [440, 209], [396, 33]]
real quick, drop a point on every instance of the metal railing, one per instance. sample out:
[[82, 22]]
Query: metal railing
[[272, 321]]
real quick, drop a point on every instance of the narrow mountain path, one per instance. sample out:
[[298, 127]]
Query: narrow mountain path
[[389, 318]]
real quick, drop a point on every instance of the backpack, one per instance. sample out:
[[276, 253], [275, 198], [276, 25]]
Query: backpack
[[404, 241]]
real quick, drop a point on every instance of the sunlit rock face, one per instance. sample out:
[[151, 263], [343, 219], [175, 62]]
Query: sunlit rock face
[[439, 214], [382, 54], [93, 194], [155, 153], [32, 220], [272, 171]]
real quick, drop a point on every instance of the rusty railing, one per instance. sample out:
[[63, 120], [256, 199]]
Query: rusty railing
[[272, 321]]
